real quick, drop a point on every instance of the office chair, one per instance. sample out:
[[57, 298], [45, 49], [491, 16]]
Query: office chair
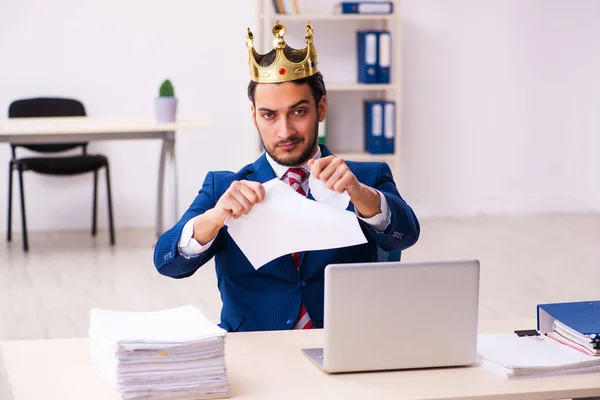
[[62, 166], [385, 256]]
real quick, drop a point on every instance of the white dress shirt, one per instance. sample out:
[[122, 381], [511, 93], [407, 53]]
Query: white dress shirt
[[190, 248]]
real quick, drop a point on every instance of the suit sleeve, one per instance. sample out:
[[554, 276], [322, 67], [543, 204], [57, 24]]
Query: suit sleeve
[[403, 230], [167, 259]]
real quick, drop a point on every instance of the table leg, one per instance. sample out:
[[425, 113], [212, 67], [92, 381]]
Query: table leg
[[167, 151], [174, 180]]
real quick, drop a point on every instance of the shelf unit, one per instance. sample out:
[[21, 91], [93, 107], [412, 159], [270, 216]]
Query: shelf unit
[[392, 91]]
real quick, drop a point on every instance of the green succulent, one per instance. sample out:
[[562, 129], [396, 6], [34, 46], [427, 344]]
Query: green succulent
[[166, 89]]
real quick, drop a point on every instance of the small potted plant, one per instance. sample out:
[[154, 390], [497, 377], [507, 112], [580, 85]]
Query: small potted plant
[[166, 103]]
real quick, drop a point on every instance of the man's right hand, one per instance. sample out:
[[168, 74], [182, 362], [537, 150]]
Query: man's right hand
[[238, 200]]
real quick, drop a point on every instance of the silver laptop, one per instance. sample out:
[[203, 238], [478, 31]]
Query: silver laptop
[[395, 315]]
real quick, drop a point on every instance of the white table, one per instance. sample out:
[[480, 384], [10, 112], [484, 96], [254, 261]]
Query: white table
[[271, 365], [84, 129]]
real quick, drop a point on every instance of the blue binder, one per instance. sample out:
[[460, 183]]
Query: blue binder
[[583, 316], [368, 55], [367, 7], [374, 139], [384, 59], [389, 127]]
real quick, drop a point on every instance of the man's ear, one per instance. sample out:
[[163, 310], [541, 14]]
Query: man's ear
[[322, 108], [252, 109]]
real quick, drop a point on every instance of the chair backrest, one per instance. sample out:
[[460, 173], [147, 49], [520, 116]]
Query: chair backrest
[[47, 107], [385, 256]]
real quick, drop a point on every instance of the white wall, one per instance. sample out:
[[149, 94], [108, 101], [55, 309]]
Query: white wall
[[500, 106], [113, 55]]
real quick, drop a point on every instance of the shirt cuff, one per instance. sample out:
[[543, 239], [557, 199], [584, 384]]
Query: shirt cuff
[[188, 246], [379, 222]]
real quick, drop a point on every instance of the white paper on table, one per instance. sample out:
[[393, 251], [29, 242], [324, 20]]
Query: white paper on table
[[286, 222]]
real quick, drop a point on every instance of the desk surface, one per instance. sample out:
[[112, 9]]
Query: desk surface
[[270, 365], [28, 130]]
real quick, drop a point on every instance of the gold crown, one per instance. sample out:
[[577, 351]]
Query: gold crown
[[282, 69]]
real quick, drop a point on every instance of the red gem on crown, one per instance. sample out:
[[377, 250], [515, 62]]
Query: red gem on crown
[[282, 71]]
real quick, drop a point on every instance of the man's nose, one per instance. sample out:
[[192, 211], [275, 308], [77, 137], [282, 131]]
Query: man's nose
[[286, 129]]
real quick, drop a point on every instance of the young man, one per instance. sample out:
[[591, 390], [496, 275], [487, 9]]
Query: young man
[[288, 101]]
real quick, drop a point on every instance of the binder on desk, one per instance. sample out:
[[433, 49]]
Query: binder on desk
[[367, 7], [384, 46], [374, 126], [576, 324], [367, 46]]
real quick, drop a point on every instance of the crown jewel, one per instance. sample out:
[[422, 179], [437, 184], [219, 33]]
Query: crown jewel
[[282, 69]]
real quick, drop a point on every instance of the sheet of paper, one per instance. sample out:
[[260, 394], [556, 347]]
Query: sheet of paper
[[286, 222], [529, 352], [324, 195]]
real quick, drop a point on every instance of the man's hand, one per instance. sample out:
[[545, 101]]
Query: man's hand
[[238, 200], [337, 176]]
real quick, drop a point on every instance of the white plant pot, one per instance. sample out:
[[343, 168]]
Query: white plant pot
[[165, 109]]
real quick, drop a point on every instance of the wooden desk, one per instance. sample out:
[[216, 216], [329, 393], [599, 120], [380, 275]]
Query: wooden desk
[[270, 365], [83, 129]]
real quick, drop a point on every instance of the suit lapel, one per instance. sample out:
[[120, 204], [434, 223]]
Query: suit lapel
[[261, 171]]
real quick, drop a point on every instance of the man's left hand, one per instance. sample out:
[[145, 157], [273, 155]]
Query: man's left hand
[[337, 176]]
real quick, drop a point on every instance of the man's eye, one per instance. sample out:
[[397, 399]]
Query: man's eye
[[300, 111], [267, 115]]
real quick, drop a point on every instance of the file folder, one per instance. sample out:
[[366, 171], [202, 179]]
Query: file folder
[[384, 46], [367, 46], [583, 316], [374, 138], [389, 127], [367, 7], [578, 322]]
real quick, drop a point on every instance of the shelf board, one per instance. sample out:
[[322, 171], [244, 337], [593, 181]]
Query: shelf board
[[355, 87], [329, 17], [364, 156]]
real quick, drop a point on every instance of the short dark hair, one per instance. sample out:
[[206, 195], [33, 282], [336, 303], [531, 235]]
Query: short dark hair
[[315, 82]]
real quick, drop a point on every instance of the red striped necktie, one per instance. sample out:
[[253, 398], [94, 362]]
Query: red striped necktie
[[296, 176]]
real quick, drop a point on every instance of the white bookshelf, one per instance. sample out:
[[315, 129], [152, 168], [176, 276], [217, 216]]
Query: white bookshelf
[[330, 22], [360, 87], [327, 17]]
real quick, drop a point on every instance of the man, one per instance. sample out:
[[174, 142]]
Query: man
[[288, 101]]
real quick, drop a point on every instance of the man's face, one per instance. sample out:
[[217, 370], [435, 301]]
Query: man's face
[[287, 120]]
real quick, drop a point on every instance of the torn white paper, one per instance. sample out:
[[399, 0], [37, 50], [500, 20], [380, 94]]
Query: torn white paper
[[286, 222], [324, 195]]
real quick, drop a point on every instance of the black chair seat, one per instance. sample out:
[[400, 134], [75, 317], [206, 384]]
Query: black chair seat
[[63, 165]]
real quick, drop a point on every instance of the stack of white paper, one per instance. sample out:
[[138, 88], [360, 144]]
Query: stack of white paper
[[175, 353], [517, 357]]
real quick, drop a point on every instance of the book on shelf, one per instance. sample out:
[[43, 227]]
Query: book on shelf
[[367, 7], [322, 137], [575, 324], [286, 7]]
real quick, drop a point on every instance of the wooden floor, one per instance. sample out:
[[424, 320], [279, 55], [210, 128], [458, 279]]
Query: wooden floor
[[525, 260]]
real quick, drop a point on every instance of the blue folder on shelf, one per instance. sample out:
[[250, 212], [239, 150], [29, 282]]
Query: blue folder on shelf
[[368, 54], [367, 7], [583, 317], [379, 126], [384, 59]]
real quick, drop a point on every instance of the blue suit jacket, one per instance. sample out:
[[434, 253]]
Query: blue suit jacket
[[269, 298]]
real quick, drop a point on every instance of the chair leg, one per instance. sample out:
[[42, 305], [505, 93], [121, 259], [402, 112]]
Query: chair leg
[[10, 181], [23, 220], [95, 204], [110, 214]]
